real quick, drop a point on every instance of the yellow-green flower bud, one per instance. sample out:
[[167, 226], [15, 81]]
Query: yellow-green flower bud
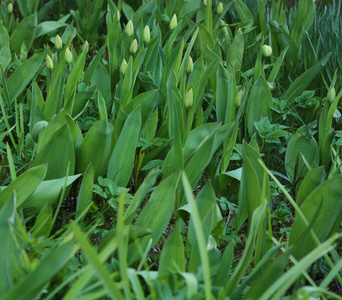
[[58, 42], [37, 128], [238, 99], [49, 62], [68, 56], [130, 28], [189, 99], [85, 46], [331, 95], [118, 15], [189, 66], [123, 67], [10, 8], [134, 46], [173, 22], [205, 2], [220, 8], [146, 34], [266, 50]]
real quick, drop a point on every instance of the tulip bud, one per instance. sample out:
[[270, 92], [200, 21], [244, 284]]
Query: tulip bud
[[205, 2], [220, 8], [130, 28], [146, 35], [134, 46], [118, 15], [331, 95], [37, 128], [123, 67], [68, 56], [190, 66], [10, 8], [266, 50], [49, 62], [85, 45], [173, 22], [58, 42], [238, 99], [189, 99]]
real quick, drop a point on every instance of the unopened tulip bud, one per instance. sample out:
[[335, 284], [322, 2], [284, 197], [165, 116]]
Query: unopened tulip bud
[[190, 66], [68, 56], [146, 34], [10, 8], [118, 15], [58, 42], [205, 2], [123, 67], [189, 99], [331, 95], [220, 8], [130, 28], [85, 45], [266, 50], [134, 46], [49, 62], [238, 99], [173, 22]]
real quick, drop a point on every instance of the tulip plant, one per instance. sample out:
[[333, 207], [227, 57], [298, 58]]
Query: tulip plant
[[170, 149]]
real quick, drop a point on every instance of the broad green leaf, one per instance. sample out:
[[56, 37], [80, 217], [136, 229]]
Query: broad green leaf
[[202, 245], [298, 145], [47, 192], [85, 194], [24, 32], [48, 26], [9, 248], [304, 20], [304, 80], [172, 256], [121, 162], [236, 51], [139, 196], [24, 185], [97, 140], [321, 208], [58, 160], [23, 75], [258, 104], [312, 179], [74, 76], [156, 214]]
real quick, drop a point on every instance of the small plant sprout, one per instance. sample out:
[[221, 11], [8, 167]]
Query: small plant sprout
[[134, 47], [189, 66], [146, 35], [68, 56], [266, 50], [58, 43], [220, 8], [123, 67], [173, 22], [49, 62], [130, 28]]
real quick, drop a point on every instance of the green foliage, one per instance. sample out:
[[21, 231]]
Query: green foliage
[[197, 166]]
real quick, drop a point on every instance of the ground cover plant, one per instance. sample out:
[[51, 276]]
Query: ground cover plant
[[170, 149]]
